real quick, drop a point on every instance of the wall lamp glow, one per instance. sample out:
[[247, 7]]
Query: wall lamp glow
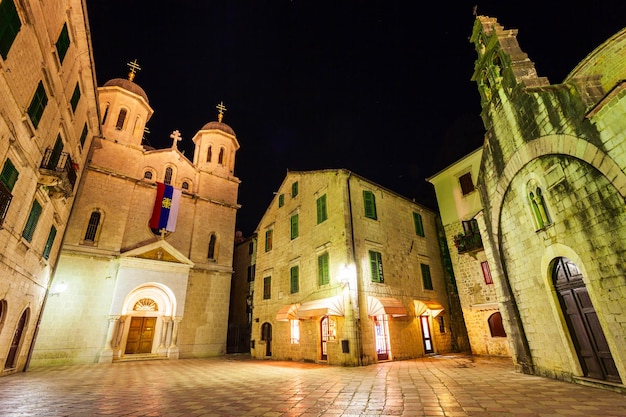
[[58, 288]]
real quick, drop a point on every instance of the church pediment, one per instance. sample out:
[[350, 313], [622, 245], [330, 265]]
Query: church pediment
[[158, 251]]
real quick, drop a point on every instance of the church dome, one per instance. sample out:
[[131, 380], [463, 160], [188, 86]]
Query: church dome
[[127, 85], [219, 126]]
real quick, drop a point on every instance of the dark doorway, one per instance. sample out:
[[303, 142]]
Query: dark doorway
[[140, 335], [11, 361], [582, 322], [266, 335]]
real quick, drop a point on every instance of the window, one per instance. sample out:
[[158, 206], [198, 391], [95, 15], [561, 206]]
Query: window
[[538, 205], [185, 185], [281, 200], [442, 325], [419, 224], [467, 185], [209, 154], [75, 97], [220, 158], [268, 239], [169, 172], [31, 223], [294, 189], [267, 288], [376, 266], [121, 118], [212, 243], [251, 271], [38, 105], [295, 331], [250, 248], [48, 248], [83, 135], [105, 113], [294, 279], [147, 175], [63, 43], [427, 281], [323, 274], [10, 25], [92, 227], [294, 226], [322, 214], [369, 200], [486, 272], [495, 325], [8, 178]]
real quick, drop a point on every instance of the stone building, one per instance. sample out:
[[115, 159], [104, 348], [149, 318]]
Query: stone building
[[552, 182], [241, 291], [347, 273], [128, 286], [48, 117], [460, 208]]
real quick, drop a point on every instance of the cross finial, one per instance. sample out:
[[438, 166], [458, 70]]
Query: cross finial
[[176, 136], [134, 67], [220, 111]]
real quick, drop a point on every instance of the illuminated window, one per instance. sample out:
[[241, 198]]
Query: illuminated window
[[294, 279], [63, 43], [427, 281], [10, 26], [376, 266], [295, 331], [323, 269], [37, 105], [369, 201], [294, 226], [322, 214], [267, 288], [418, 223]]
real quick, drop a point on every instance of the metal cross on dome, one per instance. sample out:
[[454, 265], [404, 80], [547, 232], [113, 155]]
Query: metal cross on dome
[[221, 109], [176, 136], [134, 68]]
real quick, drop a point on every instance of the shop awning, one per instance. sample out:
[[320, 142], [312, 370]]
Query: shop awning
[[288, 312], [377, 306], [427, 308], [332, 306]]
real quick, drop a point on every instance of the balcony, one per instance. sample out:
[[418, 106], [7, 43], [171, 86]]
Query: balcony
[[468, 242], [5, 201], [57, 172]]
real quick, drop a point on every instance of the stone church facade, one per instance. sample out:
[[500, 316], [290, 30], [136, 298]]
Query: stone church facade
[[552, 183], [123, 290], [48, 117]]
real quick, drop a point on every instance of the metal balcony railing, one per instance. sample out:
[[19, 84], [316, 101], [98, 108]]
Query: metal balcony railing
[[61, 166]]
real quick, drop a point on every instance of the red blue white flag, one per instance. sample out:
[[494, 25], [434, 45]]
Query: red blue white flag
[[166, 207]]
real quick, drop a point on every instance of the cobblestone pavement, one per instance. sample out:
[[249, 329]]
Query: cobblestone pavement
[[454, 385]]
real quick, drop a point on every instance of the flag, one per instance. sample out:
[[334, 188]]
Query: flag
[[165, 209]]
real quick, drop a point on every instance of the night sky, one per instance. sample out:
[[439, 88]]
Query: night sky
[[381, 88]]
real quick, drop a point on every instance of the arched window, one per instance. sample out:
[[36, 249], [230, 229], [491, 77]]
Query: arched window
[[168, 175], [495, 325], [220, 159], [106, 113], [121, 118], [212, 247], [185, 185], [209, 154], [538, 205], [147, 175], [92, 227]]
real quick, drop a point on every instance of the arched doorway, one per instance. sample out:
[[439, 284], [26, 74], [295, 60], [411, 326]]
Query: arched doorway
[[266, 336], [328, 331], [582, 322], [12, 356]]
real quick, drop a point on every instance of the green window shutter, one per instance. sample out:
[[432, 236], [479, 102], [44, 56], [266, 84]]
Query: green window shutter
[[49, 242], [322, 214], [31, 223], [419, 225], [83, 136], [63, 43], [75, 97], [268, 240], [294, 226], [294, 274], [267, 288], [294, 189], [281, 200], [369, 200], [38, 104], [9, 175], [426, 279], [10, 25], [376, 266], [323, 276]]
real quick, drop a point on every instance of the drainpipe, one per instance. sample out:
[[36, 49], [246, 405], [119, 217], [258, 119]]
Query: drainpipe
[[357, 309]]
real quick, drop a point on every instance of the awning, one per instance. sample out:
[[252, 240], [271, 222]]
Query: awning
[[288, 312], [332, 306], [377, 306], [427, 308]]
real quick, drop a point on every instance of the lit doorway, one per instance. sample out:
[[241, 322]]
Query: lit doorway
[[381, 330], [328, 332], [426, 335], [140, 335]]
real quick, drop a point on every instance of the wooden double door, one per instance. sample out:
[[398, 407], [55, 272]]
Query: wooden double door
[[140, 335], [582, 321]]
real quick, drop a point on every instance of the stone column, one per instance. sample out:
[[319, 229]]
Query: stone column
[[173, 349], [162, 349], [106, 355]]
